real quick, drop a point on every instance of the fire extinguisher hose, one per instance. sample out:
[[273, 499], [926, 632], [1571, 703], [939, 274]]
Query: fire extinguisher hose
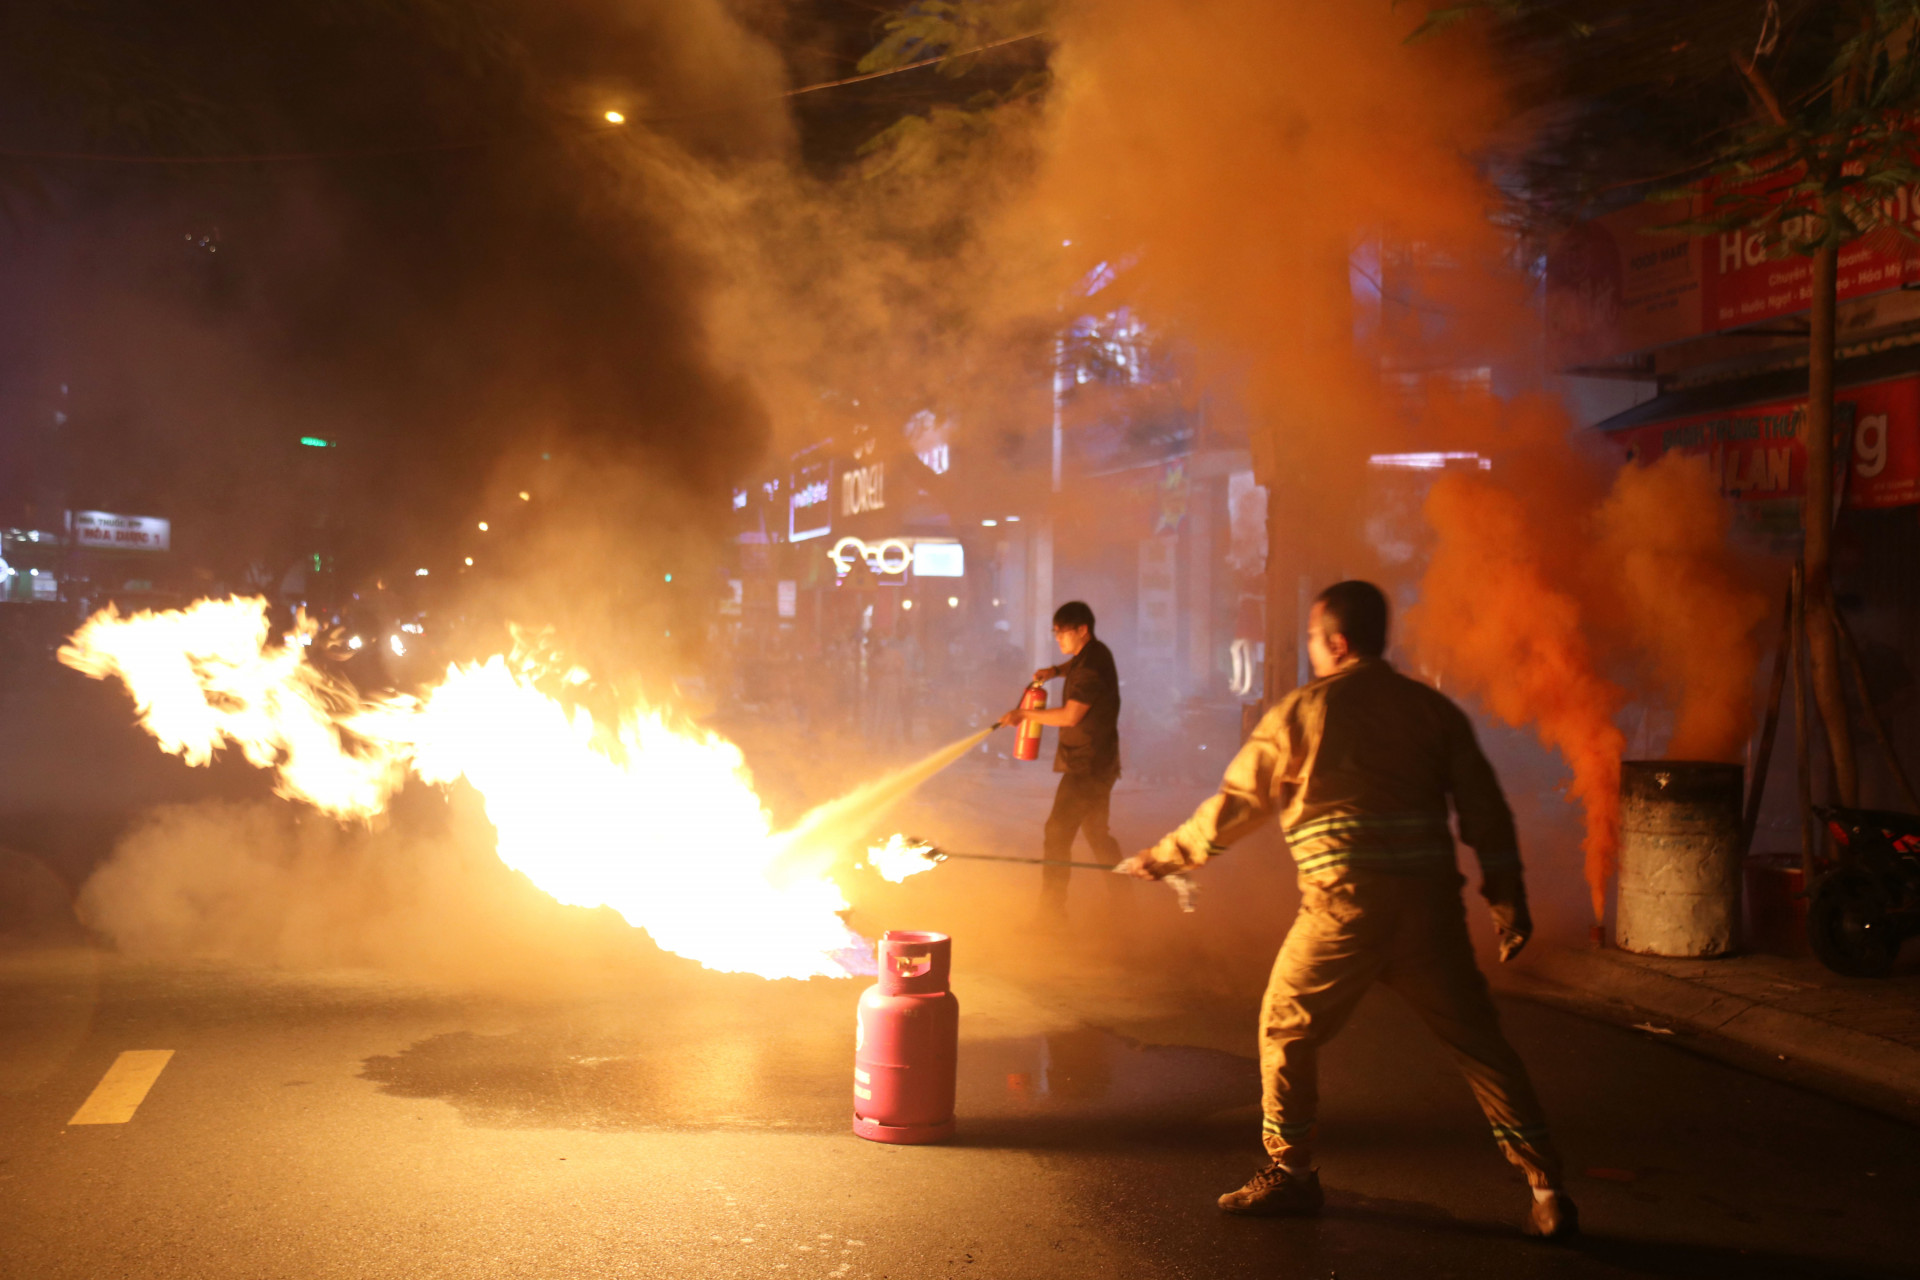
[[1030, 862]]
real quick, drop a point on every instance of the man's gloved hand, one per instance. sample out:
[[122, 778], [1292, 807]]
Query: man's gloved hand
[[1156, 863], [1506, 896]]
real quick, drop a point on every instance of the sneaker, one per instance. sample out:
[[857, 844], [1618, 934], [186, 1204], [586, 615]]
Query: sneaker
[[1275, 1193], [1555, 1218]]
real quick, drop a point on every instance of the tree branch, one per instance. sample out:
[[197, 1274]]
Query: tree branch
[[1757, 81]]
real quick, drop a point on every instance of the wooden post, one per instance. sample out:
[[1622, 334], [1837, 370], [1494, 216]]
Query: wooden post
[[1817, 613], [1763, 758], [1802, 742], [1851, 652]]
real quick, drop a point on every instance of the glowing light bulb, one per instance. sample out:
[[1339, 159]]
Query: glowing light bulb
[[614, 117], [483, 526], [419, 573], [469, 561], [525, 496], [906, 604], [953, 602]]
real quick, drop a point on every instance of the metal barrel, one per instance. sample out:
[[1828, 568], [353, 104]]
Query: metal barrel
[[1679, 889]]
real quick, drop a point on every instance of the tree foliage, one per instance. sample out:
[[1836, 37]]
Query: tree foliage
[[1793, 106], [952, 134], [941, 28]]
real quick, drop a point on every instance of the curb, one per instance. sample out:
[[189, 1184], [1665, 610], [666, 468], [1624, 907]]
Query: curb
[[1856, 1066]]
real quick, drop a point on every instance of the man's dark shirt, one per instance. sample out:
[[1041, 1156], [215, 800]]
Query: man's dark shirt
[[1092, 746]]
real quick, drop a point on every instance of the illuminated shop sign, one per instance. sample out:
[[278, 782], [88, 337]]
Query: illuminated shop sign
[[938, 559], [926, 557], [119, 533], [809, 513], [930, 437], [863, 489], [891, 556]]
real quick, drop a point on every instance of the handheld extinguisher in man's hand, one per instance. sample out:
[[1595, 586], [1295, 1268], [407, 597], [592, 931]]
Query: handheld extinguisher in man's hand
[[1026, 745]]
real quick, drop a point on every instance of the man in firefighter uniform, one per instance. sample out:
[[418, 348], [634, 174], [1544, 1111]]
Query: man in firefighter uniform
[[1359, 766]]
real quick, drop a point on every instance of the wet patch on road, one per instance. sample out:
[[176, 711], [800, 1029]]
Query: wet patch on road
[[1038, 1091], [537, 1079]]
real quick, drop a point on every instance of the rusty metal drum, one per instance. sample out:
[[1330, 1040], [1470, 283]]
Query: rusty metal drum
[[1679, 888]]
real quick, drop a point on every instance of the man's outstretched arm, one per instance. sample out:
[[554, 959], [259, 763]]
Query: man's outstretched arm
[[1260, 771]]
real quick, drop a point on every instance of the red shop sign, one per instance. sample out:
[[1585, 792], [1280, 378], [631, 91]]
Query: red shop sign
[[1756, 453]]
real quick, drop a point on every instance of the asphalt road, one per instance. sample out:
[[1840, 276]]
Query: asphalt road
[[679, 1123]]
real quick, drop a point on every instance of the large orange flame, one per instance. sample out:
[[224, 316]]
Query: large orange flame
[[654, 819]]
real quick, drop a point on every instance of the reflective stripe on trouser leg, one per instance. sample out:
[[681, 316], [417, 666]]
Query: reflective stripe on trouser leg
[[1323, 968], [1290, 1142], [1530, 1149], [1434, 970]]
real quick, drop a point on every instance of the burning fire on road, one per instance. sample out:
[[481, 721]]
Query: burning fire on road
[[654, 818]]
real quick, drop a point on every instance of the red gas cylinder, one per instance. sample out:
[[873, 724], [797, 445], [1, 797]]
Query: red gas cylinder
[[906, 1042], [1027, 745]]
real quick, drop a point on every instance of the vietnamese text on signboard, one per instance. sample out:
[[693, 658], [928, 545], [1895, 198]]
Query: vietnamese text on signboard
[[109, 531], [1756, 454], [1628, 282]]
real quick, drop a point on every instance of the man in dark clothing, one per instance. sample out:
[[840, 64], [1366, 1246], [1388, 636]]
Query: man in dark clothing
[[1088, 757]]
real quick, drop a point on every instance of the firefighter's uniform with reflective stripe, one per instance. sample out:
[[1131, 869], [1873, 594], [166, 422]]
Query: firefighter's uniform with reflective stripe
[[1359, 767]]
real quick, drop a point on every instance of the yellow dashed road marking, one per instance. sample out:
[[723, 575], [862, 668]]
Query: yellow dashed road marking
[[124, 1087]]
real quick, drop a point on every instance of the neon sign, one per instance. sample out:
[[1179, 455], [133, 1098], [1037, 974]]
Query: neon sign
[[891, 556]]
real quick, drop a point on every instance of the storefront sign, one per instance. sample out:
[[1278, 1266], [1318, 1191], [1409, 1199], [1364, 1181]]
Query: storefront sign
[[1621, 284], [926, 557], [930, 437], [863, 489], [938, 558], [1756, 454], [809, 512], [106, 530], [891, 556], [1748, 286]]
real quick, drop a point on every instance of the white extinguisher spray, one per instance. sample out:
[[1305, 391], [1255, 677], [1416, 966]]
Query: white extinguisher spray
[[1027, 745]]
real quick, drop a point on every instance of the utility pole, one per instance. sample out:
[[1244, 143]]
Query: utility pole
[[1043, 537]]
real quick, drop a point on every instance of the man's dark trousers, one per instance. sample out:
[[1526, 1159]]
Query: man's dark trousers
[[1079, 805]]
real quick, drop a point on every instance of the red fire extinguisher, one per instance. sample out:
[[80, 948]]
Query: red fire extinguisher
[[906, 1043], [1027, 745]]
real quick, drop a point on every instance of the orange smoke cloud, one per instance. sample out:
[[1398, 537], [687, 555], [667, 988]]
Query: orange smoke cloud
[[1298, 189], [1559, 607], [1494, 617], [1691, 610], [1238, 152]]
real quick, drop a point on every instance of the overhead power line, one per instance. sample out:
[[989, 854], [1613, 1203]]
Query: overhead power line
[[475, 144]]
